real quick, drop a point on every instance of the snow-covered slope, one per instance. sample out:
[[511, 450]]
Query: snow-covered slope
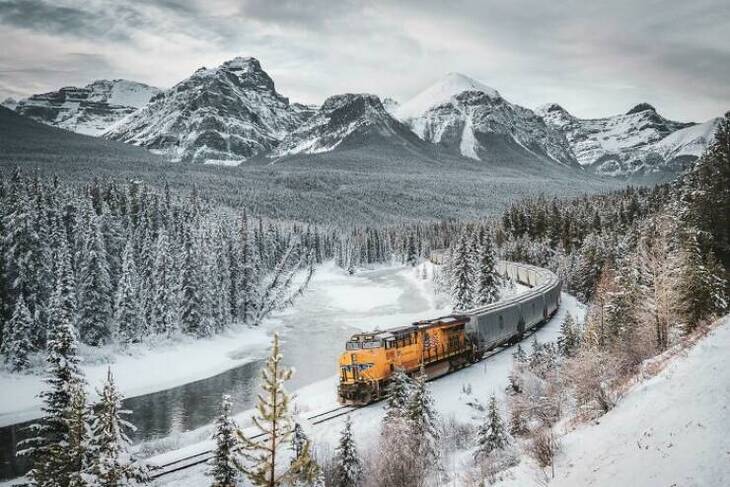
[[229, 113], [474, 120], [345, 121], [638, 142], [671, 430], [89, 110]]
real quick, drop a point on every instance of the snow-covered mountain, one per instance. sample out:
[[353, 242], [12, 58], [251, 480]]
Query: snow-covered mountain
[[344, 121], [638, 142], [9, 103], [89, 110], [225, 114], [474, 120]]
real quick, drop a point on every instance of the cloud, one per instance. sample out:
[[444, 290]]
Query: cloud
[[595, 58]]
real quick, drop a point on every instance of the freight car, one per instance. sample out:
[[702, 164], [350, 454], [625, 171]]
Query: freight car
[[441, 345]]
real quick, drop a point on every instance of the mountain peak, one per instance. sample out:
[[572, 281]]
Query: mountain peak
[[641, 107], [449, 86]]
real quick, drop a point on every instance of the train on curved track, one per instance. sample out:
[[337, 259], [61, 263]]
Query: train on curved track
[[441, 345]]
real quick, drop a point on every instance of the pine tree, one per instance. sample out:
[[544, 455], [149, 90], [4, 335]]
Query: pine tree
[[491, 435], [487, 289], [95, 307], [462, 274], [225, 465], [48, 449], [264, 463], [77, 450], [17, 343], [568, 340], [128, 312], [701, 285], [164, 289], [306, 471], [399, 392], [423, 418], [193, 295], [111, 464], [348, 467]]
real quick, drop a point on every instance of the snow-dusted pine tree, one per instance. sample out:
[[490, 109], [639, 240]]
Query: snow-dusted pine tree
[[265, 462], [164, 302], [399, 391], [192, 298], [487, 284], [95, 290], [462, 272], [224, 467], [491, 435], [111, 464], [423, 418], [17, 343], [569, 338], [48, 448], [129, 319], [348, 467]]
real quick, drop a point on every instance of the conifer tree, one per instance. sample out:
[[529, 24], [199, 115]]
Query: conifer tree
[[48, 448], [111, 465], [348, 467], [164, 302], [491, 435], [193, 295], [265, 464], [423, 418], [568, 340], [17, 343], [95, 289], [129, 317], [399, 392], [77, 450], [225, 465], [462, 273], [487, 289]]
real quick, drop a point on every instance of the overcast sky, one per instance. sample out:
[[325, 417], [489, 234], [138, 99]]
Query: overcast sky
[[593, 57]]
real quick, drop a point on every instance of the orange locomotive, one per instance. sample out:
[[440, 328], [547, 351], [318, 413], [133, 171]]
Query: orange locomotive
[[439, 346]]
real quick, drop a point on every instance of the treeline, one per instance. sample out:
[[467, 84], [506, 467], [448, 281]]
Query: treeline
[[126, 262]]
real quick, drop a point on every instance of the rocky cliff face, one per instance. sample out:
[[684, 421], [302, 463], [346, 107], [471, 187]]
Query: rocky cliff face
[[474, 120], [92, 109], [225, 114], [345, 121], [638, 142]]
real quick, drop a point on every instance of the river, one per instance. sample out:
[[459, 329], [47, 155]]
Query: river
[[313, 334]]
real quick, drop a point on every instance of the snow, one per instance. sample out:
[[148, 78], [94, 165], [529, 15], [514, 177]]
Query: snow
[[441, 92], [468, 145], [487, 377], [690, 141], [142, 369], [670, 430]]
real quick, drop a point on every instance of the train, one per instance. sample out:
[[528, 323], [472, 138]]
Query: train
[[442, 345]]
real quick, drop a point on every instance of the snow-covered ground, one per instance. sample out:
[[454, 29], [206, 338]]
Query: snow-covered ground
[[142, 368], [670, 430], [363, 301], [483, 379]]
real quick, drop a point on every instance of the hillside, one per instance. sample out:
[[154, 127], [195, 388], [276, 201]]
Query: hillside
[[25, 141], [669, 430]]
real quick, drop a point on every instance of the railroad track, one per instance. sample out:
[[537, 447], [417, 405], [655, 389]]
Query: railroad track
[[157, 471], [161, 470]]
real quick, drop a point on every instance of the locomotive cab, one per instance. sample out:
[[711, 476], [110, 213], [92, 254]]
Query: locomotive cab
[[361, 367]]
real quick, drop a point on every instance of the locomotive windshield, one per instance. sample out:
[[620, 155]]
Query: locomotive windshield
[[353, 345], [372, 344]]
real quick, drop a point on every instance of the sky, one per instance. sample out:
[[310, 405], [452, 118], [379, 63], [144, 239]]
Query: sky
[[595, 58]]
